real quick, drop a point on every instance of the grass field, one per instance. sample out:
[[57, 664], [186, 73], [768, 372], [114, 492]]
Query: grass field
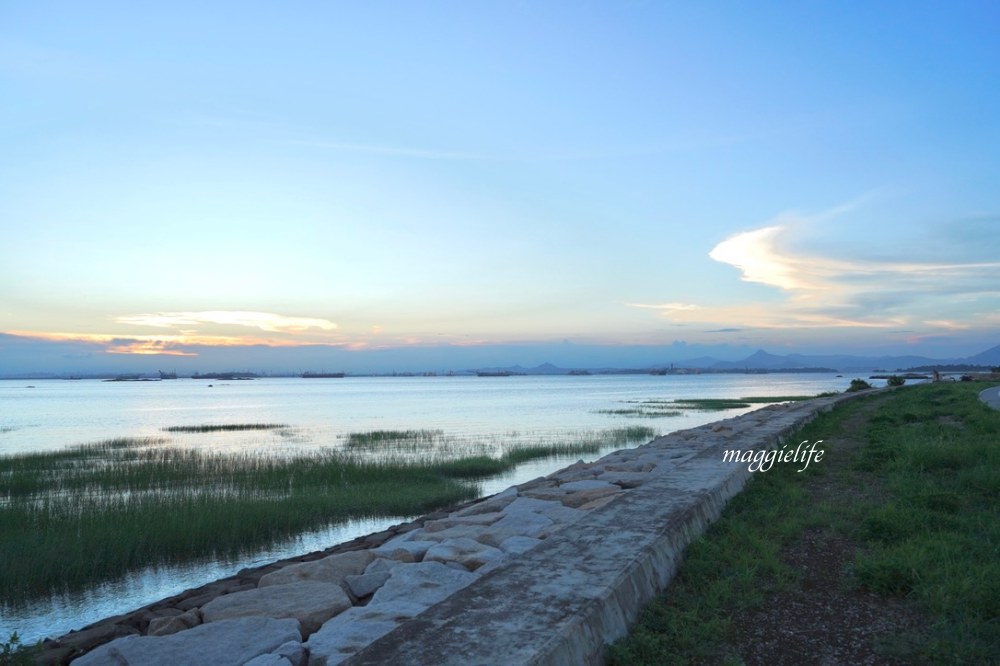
[[888, 550]]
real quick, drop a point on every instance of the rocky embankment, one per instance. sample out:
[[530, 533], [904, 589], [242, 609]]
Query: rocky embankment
[[545, 572]]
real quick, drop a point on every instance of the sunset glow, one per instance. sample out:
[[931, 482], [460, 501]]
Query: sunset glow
[[285, 187]]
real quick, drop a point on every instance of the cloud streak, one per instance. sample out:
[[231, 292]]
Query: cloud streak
[[185, 332], [823, 291], [264, 321]]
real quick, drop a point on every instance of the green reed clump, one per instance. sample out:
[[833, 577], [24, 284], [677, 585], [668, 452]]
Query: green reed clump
[[88, 513], [719, 404], [377, 438], [646, 412], [226, 427], [82, 519], [672, 408]]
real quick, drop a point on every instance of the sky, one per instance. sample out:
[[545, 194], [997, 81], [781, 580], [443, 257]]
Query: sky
[[229, 181]]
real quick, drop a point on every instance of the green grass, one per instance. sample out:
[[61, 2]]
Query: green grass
[[72, 518], [719, 404], [921, 507], [376, 438], [642, 412], [15, 653], [226, 427], [677, 407], [78, 516]]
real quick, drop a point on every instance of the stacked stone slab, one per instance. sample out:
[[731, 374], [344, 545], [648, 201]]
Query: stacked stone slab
[[545, 572]]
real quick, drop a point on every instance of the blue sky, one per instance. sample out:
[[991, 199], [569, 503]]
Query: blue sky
[[809, 177]]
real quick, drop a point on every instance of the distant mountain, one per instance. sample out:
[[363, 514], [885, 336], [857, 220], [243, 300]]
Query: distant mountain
[[762, 360], [700, 362], [26, 356], [990, 357]]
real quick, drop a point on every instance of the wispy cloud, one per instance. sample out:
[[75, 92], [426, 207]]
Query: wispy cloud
[[666, 307], [185, 332], [264, 321], [824, 291], [148, 348], [761, 257], [178, 345]]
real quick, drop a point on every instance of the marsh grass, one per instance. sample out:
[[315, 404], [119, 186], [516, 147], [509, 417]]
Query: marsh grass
[[89, 513], [677, 407], [226, 427], [378, 438], [514, 447], [719, 404], [927, 536]]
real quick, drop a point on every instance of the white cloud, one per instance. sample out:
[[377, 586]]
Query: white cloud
[[667, 307], [264, 321], [825, 291]]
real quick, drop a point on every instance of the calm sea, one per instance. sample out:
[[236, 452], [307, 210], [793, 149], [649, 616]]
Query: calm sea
[[39, 415]]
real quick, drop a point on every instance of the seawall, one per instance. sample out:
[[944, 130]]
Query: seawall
[[547, 572]]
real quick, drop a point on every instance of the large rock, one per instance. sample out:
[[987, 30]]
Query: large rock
[[518, 545], [592, 484], [310, 603], [410, 590], [413, 547], [294, 652], [423, 584], [330, 569], [470, 553], [355, 629], [380, 564], [226, 643], [454, 521], [555, 511], [164, 626], [581, 498], [454, 532], [526, 523], [268, 660], [490, 504], [365, 584]]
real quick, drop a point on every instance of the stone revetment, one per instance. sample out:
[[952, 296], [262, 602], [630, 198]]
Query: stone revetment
[[547, 572]]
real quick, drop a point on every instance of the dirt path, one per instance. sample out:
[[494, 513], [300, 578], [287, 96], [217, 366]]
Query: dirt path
[[826, 621]]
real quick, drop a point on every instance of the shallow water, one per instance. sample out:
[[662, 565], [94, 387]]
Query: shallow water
[[493, 412]]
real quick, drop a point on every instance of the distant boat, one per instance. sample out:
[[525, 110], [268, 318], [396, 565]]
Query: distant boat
[[168, 375], [322, 375]]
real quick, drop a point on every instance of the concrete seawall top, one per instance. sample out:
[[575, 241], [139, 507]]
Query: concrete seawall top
[[547, 572]]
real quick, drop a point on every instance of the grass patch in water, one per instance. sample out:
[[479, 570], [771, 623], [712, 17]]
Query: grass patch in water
[[225, 427], [75, 517], [654, 409], [380, 438], [719, 404]]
